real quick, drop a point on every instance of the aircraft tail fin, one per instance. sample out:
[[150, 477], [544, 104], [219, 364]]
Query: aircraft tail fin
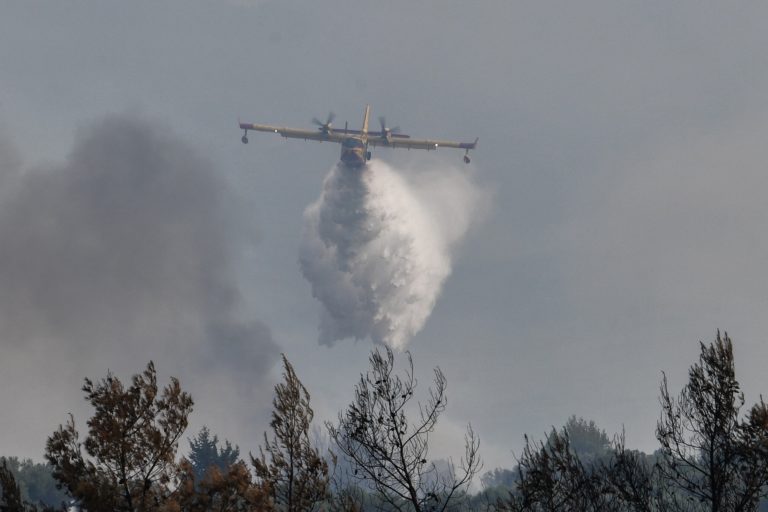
[[365, 120]]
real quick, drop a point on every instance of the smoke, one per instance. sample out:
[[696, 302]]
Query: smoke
[[377, 248], [125, 252]]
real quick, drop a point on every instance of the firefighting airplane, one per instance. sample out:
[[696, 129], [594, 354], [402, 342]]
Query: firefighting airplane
[[354, 143]]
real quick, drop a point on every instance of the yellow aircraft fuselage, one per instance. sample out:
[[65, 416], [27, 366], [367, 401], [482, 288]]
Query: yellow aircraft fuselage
[[354, 152]]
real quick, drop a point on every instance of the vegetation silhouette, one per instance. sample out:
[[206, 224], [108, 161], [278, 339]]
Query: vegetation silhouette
[[712, 456]]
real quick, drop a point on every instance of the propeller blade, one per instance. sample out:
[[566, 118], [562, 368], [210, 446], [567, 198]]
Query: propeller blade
[[325, 126], [385, 131]]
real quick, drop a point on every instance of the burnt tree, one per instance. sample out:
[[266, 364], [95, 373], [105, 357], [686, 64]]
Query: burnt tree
[[389, 446]]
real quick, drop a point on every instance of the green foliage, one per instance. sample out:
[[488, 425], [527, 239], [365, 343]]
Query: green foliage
[[587, 440], [205, 453], [35, 481], [10, 497], [230, 490], [289, 465], [499, 477], [130, 449]]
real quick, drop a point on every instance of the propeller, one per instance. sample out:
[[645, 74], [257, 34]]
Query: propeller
[[325, 127], [385, 131]]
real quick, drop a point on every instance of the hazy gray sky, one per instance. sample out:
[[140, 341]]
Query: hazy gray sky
[[622, 145]]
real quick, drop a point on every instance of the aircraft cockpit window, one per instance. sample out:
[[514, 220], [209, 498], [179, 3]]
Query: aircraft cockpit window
[[352, 143]]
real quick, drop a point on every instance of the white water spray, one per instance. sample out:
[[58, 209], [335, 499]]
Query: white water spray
[[377, 249]]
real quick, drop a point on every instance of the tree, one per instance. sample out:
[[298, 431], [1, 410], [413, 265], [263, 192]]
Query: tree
[[552, 477], [586, 439], [711, 458], [206, 453], [35, 481], [10, 493], [11, 496], [214, 479], [709, 453], [130, 449], [390, 450], [498, 477], [289, 465], [228, 490]]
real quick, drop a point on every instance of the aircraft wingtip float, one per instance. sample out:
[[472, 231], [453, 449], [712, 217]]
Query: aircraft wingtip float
[[354, 143]]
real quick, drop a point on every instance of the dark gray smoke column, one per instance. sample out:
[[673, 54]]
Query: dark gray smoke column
[[126, 249], [377, 249]]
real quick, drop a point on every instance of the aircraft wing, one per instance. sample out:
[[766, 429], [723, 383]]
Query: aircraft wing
[[378, 135], [295, 133], [426, 144]]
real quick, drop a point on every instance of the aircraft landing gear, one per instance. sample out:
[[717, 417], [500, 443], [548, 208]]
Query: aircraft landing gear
[[244, 139], [466, 157]]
